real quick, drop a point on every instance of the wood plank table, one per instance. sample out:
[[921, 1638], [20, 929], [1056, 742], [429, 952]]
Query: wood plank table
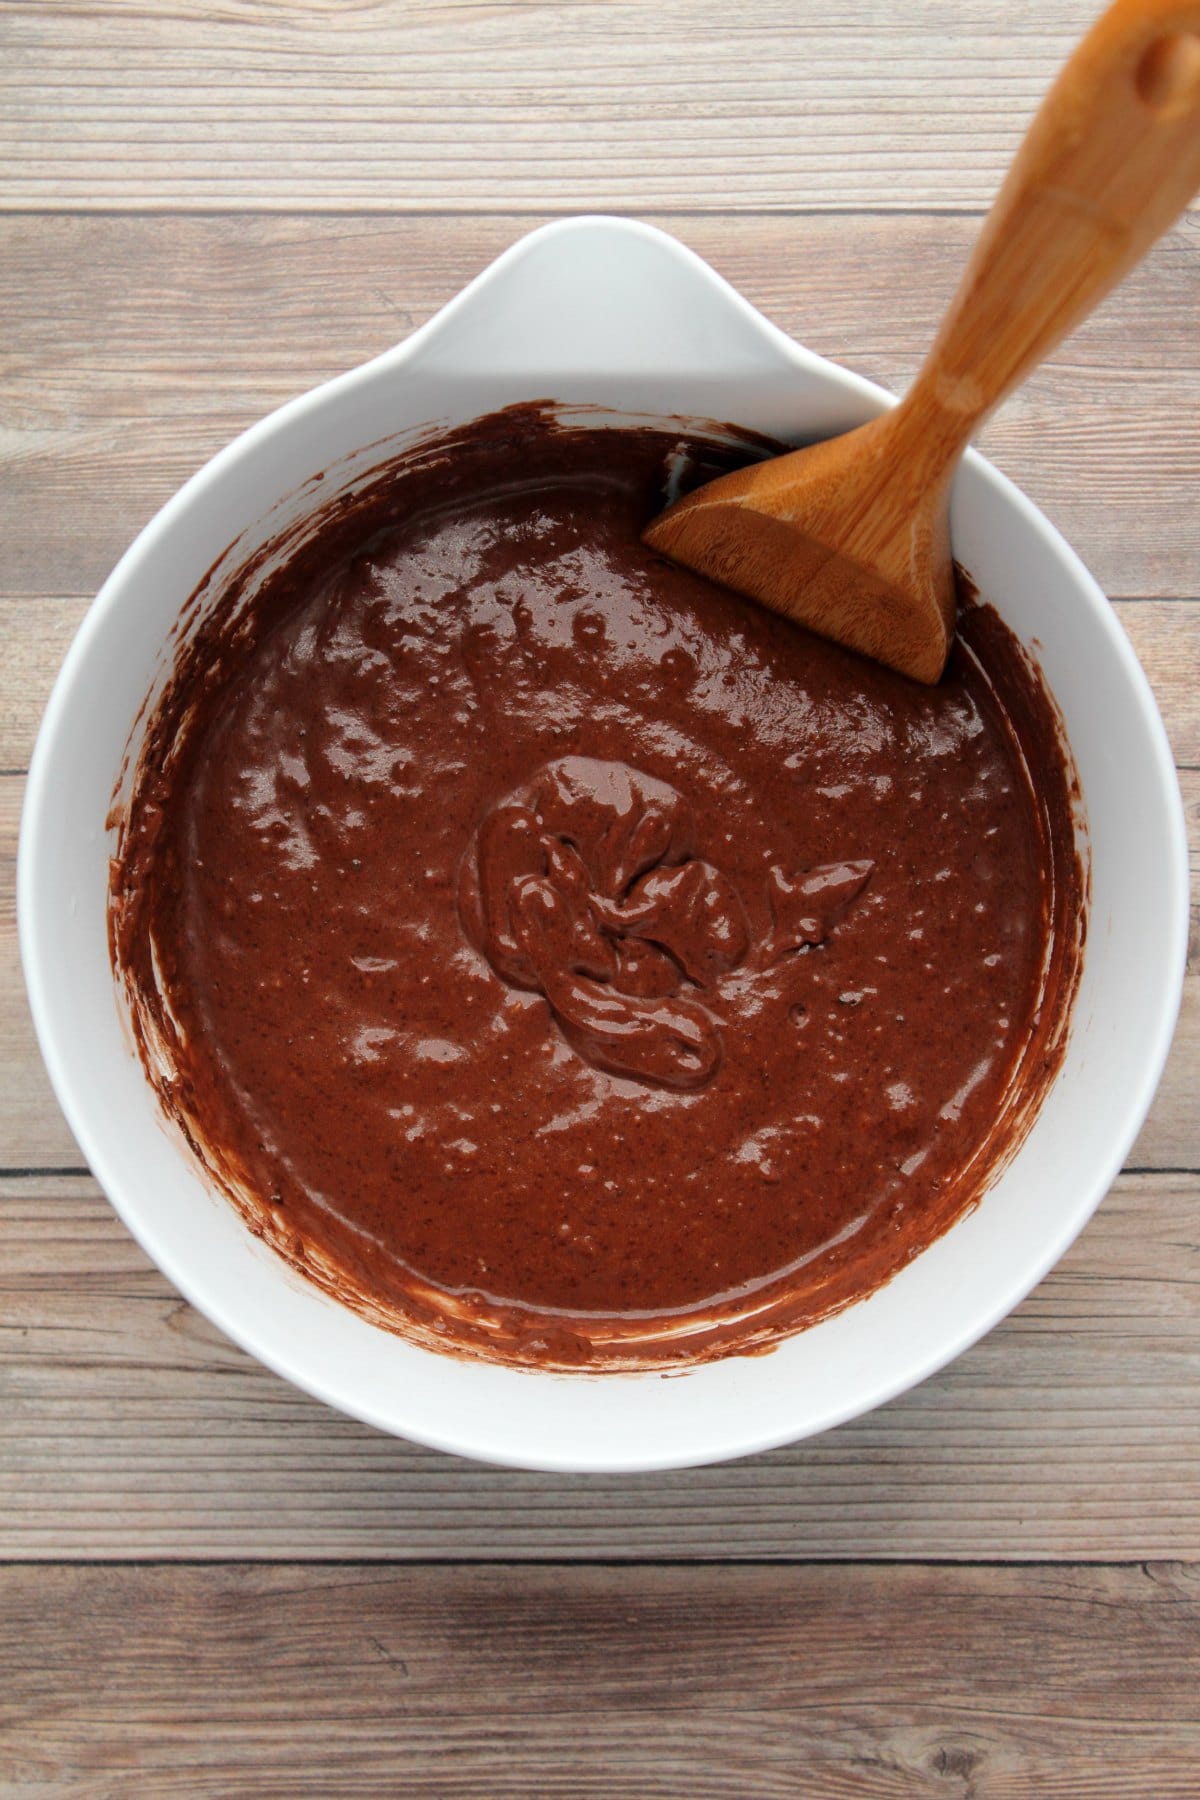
[[211, 1584]]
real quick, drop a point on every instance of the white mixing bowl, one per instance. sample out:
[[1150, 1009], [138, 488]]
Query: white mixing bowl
[[610, 313]]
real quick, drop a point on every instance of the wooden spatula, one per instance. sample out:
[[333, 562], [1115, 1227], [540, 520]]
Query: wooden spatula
[[852, 537]]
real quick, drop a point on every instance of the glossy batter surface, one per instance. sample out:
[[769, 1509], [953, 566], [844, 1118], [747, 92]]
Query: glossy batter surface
[[556, 954]]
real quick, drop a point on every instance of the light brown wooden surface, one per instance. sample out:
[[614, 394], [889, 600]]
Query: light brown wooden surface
[[162, 336], [503, 104], [825, 1683], [203, 210]]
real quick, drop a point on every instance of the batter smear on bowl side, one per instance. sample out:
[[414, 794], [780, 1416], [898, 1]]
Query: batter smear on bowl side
[[564, 961]]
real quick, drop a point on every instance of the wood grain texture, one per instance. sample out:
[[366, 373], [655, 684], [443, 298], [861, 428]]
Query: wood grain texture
[[401, 105], [811, 1683], [130, 1428], [137, 347]]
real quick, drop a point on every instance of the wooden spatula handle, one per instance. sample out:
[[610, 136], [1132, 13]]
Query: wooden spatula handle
[[1110, 160]]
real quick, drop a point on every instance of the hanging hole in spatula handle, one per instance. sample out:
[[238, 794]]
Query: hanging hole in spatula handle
[[1168, 76], [1111, 159]]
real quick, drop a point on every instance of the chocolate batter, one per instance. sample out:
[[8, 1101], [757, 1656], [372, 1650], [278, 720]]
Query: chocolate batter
[[560, 958]]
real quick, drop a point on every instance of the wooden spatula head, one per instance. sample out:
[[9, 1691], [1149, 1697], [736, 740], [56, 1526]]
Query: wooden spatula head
[[849, 538]]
